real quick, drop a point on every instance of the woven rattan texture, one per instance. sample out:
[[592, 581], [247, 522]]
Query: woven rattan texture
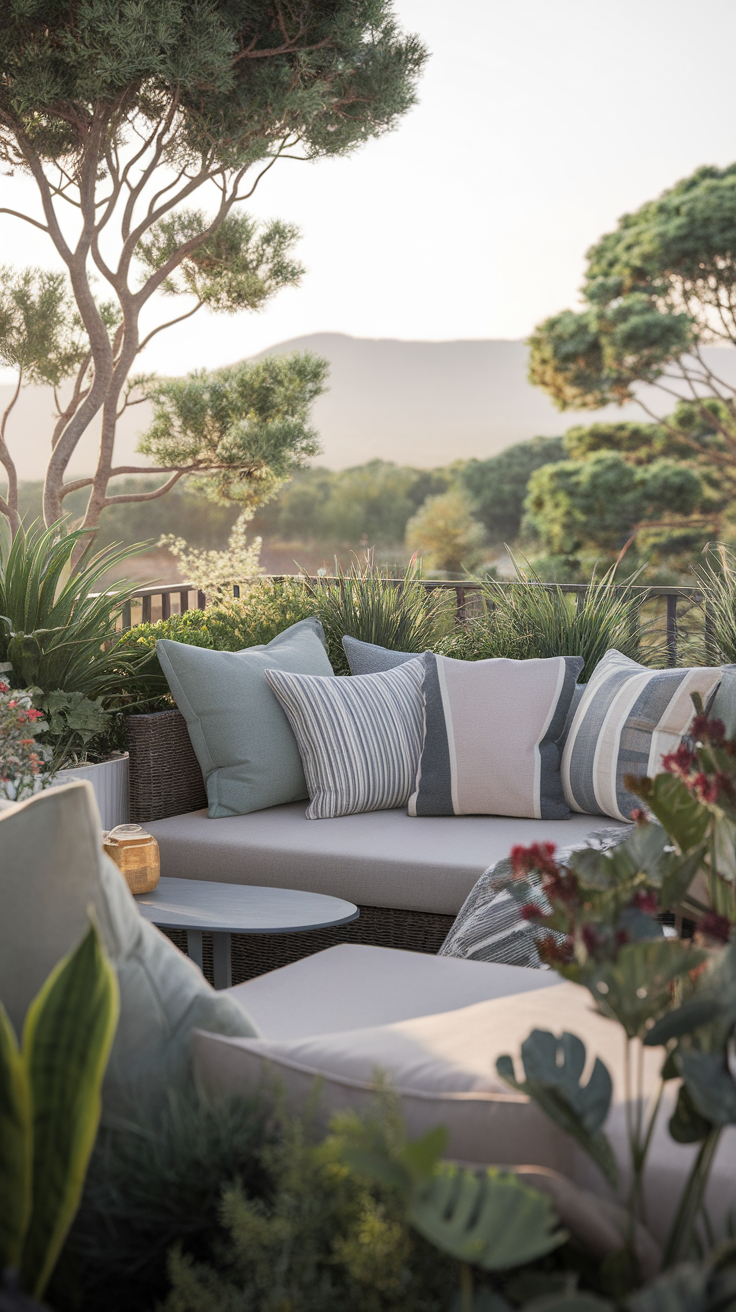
[[165, 778], [255, 954]]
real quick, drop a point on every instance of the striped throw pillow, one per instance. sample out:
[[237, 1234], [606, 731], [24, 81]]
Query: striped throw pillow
[[490, 740], [627, 719], [359, 738]]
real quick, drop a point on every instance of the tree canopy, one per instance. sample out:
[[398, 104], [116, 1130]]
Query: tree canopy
[[122, 113], [498, 485], [657, 291]]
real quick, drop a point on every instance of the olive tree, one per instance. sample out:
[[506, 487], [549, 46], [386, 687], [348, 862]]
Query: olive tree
[[657, 291], [123, 113]]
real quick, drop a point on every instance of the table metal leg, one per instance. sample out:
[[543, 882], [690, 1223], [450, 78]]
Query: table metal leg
[[223, 973], [194, 946]]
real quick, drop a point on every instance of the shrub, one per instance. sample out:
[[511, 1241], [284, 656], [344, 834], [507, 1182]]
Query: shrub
[[529, 619], [21, 756], [269, 607], [364, 603]]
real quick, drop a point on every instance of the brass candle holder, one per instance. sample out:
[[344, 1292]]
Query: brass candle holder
[[135, 853]]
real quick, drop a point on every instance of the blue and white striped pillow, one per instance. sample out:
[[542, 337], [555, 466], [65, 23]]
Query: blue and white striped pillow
[[359, 738], [628, 717]]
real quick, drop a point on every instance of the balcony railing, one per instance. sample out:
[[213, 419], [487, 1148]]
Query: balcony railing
[[677, 613]]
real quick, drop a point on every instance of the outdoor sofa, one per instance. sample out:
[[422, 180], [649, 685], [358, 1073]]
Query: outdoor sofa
[[408, 876]]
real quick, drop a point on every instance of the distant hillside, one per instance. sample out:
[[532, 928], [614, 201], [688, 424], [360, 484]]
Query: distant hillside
[[418, 403]]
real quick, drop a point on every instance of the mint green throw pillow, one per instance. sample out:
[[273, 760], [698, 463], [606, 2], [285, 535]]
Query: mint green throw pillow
[[242, 738]]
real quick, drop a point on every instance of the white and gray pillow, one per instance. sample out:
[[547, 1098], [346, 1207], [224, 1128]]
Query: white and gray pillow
[[370, 658], [359, 738], [490, 740], [627, 719]]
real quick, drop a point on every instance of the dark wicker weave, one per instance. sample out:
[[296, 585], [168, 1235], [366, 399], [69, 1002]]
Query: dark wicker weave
[[255, 954], [165, 779]]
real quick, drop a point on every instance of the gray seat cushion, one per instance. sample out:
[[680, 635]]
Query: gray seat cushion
[[354, 986], [380, 859]]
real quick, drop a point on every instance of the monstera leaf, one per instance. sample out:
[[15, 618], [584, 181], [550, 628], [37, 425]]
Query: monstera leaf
[[554, 1067], [681, 814], [635, 987], [690, 1016], [486, 1218]]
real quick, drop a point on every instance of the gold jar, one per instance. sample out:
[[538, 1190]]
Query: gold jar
[[135, 853]]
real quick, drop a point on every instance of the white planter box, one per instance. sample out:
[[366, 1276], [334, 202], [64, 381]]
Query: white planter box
[[110, 782]]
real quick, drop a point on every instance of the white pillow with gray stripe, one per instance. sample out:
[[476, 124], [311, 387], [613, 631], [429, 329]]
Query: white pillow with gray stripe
[[626, 720], [359, 738]]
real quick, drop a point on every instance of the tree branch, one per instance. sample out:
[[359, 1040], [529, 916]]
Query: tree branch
[[26, 219], [125, 498], [170, 324]]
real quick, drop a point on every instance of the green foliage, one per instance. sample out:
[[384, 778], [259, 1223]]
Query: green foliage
[[553, 1068], [74, 722], [21, 755], [446, 534], [325, 1238], [240, 266], [363, 603], [716, 576], [498, 486], [267, 608], [333, 79], [50, 1107], [39, 335], [156, 1181], [240, 431], [487, 1218], [367, 504], [55, 631], [657, 289], [528, 619], [603, 499]]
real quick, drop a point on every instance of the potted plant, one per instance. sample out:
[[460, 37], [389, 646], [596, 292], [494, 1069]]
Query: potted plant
[[59, 645]]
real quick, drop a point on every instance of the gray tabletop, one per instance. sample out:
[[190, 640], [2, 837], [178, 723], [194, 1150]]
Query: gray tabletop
[[240, 908]]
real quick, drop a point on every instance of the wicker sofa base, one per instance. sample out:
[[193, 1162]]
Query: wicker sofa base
[[255, 954]]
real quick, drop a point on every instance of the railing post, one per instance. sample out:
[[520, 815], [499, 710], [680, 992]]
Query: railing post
[[672, 628], [236, 591], [165, 605], [146, 617], [183, 603], [127, 616], [201, 601], [462, 613], [711, 653]]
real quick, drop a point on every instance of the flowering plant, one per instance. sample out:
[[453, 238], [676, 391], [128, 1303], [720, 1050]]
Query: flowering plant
[[597, 921], [21, 756]]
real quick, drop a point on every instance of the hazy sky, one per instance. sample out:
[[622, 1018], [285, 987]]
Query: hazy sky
[[539, 123]]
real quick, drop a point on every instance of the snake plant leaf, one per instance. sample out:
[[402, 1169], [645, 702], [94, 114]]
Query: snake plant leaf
[[67, 1038], [487, 1218], [16, 1153], [690, 1016], [710, 1085], [579, 1110], [686, 1125]]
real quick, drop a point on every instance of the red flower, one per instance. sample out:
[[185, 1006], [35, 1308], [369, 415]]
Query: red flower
[[554, 953], [561, 887], [639, 815], [706, 787], [537, 857], [703, 727], [679, 762], [591, 938], [647, 902], [713, 926], [531, 912]]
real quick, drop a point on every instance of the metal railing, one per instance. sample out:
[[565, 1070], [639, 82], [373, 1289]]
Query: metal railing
[[162, 601]]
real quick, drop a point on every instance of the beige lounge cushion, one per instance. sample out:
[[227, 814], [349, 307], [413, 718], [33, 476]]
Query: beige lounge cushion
[[52, 869], [381, 859], [443, 1067]]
